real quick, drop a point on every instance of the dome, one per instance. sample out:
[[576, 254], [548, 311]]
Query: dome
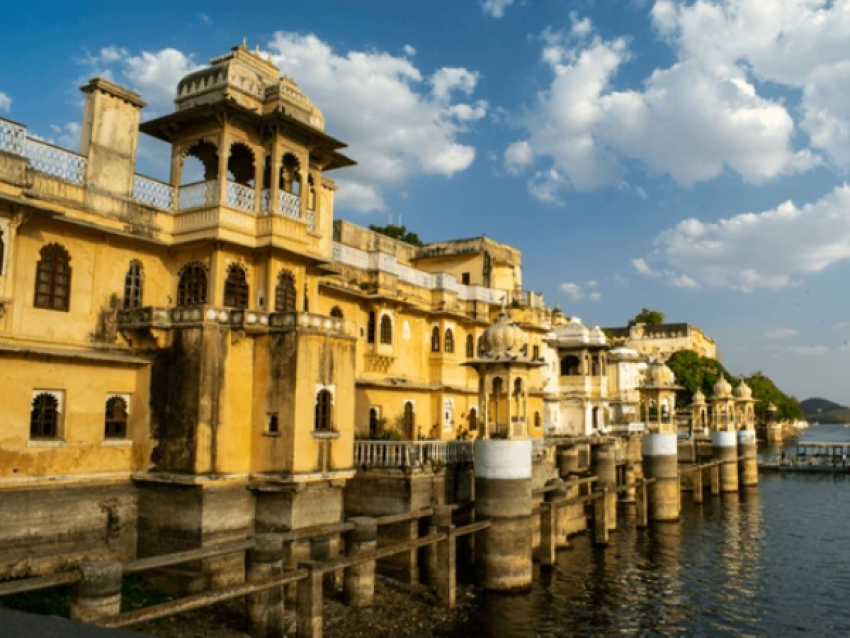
[[722, 389], [743, 391], [597, 335], [699, 397], [504, 337], [659, 375]]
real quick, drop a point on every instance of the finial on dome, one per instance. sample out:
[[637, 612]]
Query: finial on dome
[[244, 43]]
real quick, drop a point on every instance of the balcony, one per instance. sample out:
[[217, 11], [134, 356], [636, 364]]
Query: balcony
[[398, 454]]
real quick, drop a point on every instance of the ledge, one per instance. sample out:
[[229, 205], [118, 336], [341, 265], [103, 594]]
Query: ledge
[[117, 442], [47, 443], [59, 353], [324, 435]]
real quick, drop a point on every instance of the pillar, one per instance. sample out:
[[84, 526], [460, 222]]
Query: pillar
[[627, 497], [446, 588], [309, 621], [660, 462], [265, 608], [570, 517], [725, 447], [748, 468], [503, 552], [603, 464], [359, 580], [98, 595]]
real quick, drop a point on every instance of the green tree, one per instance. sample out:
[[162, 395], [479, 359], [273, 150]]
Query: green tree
[[765, 390], [397, 232], [651, 317]]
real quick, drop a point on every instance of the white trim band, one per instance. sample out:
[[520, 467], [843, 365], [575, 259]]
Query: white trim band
[[499, 459], [658, 444], [724, 439], [746, 436]]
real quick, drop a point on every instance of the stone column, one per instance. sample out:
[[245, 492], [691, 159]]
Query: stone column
[[359, 581], [603, 464], [725, 446], [748, 467], [265, 608], [98, 595], [503, 553], [660, 461], [627, 498]]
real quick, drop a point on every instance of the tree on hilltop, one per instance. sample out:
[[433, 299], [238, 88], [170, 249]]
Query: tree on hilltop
[[650, 317], [397, 232]]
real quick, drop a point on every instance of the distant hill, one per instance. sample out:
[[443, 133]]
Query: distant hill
[[824, 411]]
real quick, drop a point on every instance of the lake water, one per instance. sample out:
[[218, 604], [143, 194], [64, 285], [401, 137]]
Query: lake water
[[772, 561]]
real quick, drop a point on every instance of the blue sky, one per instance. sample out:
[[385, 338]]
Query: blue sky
[[685, 156]]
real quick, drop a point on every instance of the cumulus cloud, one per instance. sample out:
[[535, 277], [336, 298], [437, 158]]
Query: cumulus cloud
[[398, 120], [577, 292], [495, 8], [705, 114], [409, 50], [5, 102], [781, 333], [772, 249], [518, 156]]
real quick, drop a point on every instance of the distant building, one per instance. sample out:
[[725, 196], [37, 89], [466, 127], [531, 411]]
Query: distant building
[[663, 340]]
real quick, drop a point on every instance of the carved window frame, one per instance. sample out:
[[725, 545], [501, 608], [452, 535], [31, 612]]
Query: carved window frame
[[53, 279], [47, 410]]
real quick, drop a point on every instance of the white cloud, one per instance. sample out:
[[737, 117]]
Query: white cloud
[[772, 249], [495, 8], [155, 76], [592, 283], [66, 136], [205, 18], [595, 296], [576, 292], [801, 350], [5, 102], [409, 50], [683, 281], [398, 121], [620, 281], [781, 333], [703, 115], [518, 156]]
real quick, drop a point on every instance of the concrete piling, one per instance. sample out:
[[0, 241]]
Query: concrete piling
[[601, 511], [603, 463], [503, 553], [98, 595], [446, 557], [725, 447], [310, 604], [660, 461], [359, 580], [265, 608], [748, 469]]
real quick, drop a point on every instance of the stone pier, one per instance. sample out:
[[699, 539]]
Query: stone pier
[[660, 462]]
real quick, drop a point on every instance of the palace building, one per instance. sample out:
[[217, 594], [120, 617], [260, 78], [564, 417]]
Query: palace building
[[192, 361]]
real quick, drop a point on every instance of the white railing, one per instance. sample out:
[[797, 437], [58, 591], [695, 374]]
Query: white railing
[[13, 137], [311, 221], [153, 193], [351, 256], [199, 195], [410, 453], [56, 162], [413, 276], [289, 204], [239, 196], [444, 281]]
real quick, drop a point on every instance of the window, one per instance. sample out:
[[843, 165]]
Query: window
[[464, 278], [570, 366], [324, 403], [470, 346], [44, 418], [535, 353], [450, 340], [370, 328], [236, 287], [192, 289], [537, 421], [386, 329], [2, 247], [435, 339], [284, 293], [336, 312], [481, 344], [133, 286], [373, 422], [116, 418], [53, 279], [409, 419], [274, 423], [473, 420]]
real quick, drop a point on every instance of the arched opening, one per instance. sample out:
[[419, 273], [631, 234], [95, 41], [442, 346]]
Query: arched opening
[[519, 399], [311, 194], [236, 289], [472, 418], [386, 330], [535, 353], [200, 163], [44, 417], [497, 399], [450, 340], [538, 421], [336, 312], [115, 425], [241, 168], [284, 293], [370, 327], [435, 339], [470, 346], [595, 419], [570, 366], [373, 422], [192, 287], [594, 367], [324, 407], [481, 345], [53, 279], [133, 281], [2, 251], [290, 175], [409, 420]]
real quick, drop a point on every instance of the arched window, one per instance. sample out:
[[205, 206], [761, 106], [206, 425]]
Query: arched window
[[435, 339], [236, 287], [470, 346], [192, 289], [450, 340], [409, 419], [53, 279], [370, 328], [336, 311], [373, 422], [535, 353], [537, 420], [2, 251], [386, 329], [284, 292], [240, 164], [324, 404], [594, 367], [44, 418], [116, 418], [473, 420], [481, 344], [200, 163], [570, 366], [133, 286]]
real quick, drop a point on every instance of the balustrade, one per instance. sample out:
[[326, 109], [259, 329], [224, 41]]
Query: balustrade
[[199, 195], [56, 162], [153, 193], [240, 196], [13, 137], [411, 453], [311, 221]]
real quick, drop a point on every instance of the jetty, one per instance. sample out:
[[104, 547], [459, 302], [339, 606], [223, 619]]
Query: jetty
[[817, 457]]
